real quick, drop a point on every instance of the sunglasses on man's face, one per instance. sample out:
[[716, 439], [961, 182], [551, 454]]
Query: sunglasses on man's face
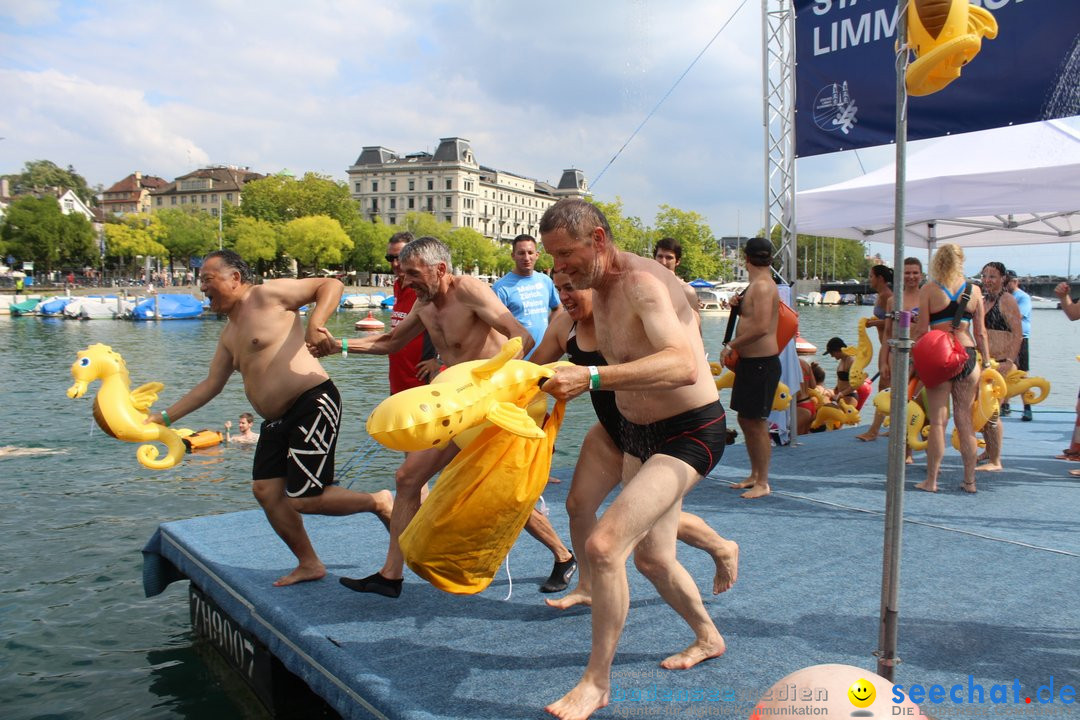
[[391, 258]]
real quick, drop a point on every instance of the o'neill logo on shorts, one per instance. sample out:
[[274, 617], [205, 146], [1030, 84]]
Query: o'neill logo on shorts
[[834, 109]]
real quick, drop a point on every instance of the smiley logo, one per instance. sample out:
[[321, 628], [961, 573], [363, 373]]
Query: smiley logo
[[861, 693]]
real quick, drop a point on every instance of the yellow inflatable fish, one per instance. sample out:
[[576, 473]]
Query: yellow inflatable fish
[[863, 352], [429, 416], [120, 411], [944, 35]]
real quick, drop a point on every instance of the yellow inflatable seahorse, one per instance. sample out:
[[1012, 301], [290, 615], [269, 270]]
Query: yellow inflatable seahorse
[[916, 428], [992, 390], [944, 35], [462, 397], [1019, 383], [863, 352], [835, 415], [120, 411], [726, 378]]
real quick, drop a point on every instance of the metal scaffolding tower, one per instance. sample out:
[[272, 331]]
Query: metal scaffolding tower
[[778, 81]]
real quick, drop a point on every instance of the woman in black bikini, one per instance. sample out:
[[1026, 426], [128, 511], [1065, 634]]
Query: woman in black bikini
[[1004, 334], [938, 303]]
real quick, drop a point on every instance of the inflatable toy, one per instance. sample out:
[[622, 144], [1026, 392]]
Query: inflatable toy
[[863, 352], [916, 430], [726, 379], [991, 391], [834, 691], [834, 416], [198, 439], [429, 416], [120, 411], [537, 410], [1018, 383], [474, 514], [944, 35], [804, 346]]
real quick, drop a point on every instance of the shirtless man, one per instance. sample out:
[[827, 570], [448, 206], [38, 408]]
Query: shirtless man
[[673, 433], [758, 371], [264, 339], [913, 277], [244, 424], [600, 459], [668, 252], [465, 321]]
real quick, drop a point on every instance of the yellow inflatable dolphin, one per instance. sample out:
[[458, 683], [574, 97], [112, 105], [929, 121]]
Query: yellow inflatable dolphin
[[863, 352], [120, 411], [429, 416], [944, 35]]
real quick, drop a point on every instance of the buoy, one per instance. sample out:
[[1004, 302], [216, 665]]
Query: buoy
[[804, 346], [369, 324]]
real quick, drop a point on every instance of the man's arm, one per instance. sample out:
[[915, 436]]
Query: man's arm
[[294, 294], [221, 367], [478, 297], [754, 325], [1072, 310]]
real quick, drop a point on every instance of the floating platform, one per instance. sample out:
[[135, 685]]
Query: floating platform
[[988, 589]]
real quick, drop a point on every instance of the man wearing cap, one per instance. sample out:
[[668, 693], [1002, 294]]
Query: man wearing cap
[[757, 372], [1023, 300]]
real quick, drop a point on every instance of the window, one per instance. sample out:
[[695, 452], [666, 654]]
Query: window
[[213, 212], [393, 219], [374, 204], [359, 188], [447, 203], [412, 185], [173, 198], [412, 203], [228, 197], [213, 198], [393, 186], [202, 199], [449, 184], [159, 202], [374, 186], [430, 204], [448, 218], [430, 184], [393, 203], [183, 200]]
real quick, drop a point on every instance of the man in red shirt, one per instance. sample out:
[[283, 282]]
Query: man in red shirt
[[414, 364]]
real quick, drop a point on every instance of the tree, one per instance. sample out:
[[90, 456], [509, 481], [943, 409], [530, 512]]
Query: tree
[[36, 230], [77, 246], [829, 258], [281, 198], [469, 249], [256, 241], [37, 175], [701, 254], [133, 236], [369, 245], [630, 233], [316, 240], [187, 234], [423, 224]]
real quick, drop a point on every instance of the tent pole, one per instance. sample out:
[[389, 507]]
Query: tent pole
[[901, 346]]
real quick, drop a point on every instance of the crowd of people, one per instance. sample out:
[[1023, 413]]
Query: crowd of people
[[631, 331]]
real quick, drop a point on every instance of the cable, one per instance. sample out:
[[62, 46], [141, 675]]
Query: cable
[[665, 97]]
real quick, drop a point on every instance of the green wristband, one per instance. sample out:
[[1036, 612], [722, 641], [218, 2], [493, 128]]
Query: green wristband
[[165, 417], [594, 378], [344, 348]]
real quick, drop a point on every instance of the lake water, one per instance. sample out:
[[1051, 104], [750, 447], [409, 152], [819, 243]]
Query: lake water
[[79, 638]]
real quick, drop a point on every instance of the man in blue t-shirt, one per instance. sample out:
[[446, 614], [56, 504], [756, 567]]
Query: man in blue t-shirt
[[529, 295], [1024, 301]]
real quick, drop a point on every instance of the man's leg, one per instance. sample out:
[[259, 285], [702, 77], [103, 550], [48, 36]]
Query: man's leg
[[541, 528], [289, 526], [597, 472], [695, 532], [759, 448], [336, 500], [654, 492], [410, 478]]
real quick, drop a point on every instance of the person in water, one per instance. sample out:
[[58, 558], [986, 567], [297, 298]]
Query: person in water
[[244, 424], [673, 429], [264, 339]]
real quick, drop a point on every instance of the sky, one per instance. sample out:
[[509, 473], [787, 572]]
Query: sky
[[166, 88]]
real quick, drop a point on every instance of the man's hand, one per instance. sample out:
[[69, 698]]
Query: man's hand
[[427, 369], [228, 424], [569, 382], [322, 343], [725, 352], [1062, 290]]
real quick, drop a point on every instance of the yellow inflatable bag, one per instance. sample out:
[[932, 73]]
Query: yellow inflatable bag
[[480, 504]]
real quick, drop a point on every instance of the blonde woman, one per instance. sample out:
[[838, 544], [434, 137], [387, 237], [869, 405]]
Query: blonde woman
[[938, 302]]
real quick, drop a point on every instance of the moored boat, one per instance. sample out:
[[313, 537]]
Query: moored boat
[[168, 307]]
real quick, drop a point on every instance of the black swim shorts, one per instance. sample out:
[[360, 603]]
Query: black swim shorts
[[755, 386], [299, 446], [697, 437], [969, 365]]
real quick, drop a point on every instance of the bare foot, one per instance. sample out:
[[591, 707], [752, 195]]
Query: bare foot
[[926, 486], [908, 460], [302, 574], [757, 491], [726, 558], [384, 505], [691, 656], [969, 487], [867, 437], [552, 480], [747, 483], [988, 467], [579, 703], [577, 596], [982, 458]]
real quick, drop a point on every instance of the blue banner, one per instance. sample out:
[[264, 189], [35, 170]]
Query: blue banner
[[846, 77]]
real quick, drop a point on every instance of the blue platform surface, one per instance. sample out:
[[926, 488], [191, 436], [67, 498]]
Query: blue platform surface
[[989, 588]]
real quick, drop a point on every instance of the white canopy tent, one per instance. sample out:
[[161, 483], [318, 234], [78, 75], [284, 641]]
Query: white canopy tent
[[1016, 185]]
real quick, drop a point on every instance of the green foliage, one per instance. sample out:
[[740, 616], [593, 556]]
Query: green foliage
[[36, 230], [40, 174], [280, 199], [316, 240], [369, 245], [134, 235], [421, 224], [469, 249], [254, 240], [629, 232], [701, 254], [186, 233], [830, 258]]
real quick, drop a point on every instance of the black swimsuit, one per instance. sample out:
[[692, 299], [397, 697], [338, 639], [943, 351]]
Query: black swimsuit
[[995, 319], [603, 401]]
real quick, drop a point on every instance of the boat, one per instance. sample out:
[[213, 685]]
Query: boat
[[848, 299], [106, 309], [1041, 303], [376, 300], [387, 303], [355, 300], [168, 307], [26, 307], [868, 299], [54, 306], [713, 302], [369, 324], [804, 346], [830, 298]]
